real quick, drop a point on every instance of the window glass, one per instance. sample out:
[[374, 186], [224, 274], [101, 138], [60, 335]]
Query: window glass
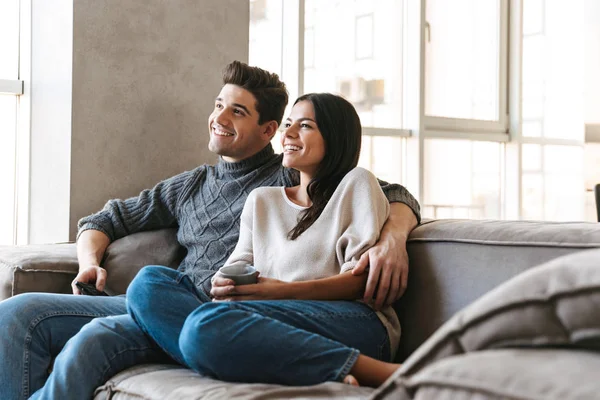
[[462, 179], [462, 59], [357, 54], [8, 127], [9, 39], [266, 34]]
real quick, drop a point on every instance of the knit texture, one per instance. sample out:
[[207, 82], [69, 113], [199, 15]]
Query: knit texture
[[348, 226], [205, 204]]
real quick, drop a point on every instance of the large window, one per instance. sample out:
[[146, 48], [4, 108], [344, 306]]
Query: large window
[[453, 138], [10, 88]]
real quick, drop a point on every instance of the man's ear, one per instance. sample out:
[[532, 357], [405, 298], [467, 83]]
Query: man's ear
[[270, 129]]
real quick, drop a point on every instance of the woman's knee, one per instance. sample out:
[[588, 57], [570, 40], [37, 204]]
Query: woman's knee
[[142, 290], [205, 338]]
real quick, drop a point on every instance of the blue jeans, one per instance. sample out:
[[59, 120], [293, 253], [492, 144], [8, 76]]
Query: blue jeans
[[87, 336], [288, 342]]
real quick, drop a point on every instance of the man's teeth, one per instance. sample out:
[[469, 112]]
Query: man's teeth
[[221, 133], [292, 147]]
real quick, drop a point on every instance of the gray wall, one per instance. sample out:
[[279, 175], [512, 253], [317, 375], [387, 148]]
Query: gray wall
[[145, 75]]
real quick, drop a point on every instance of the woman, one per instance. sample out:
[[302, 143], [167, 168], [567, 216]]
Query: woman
[[304, 241]]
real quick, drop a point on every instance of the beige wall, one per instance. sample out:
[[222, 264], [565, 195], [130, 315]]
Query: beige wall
[[145, 74]]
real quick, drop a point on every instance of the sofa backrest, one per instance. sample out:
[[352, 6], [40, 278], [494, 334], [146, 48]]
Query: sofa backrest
[[453, 262]]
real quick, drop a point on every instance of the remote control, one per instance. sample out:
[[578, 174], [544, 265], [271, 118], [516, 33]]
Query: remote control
[[89, 289]]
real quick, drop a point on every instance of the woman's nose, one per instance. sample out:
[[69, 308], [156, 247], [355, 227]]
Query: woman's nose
[[291, 131]]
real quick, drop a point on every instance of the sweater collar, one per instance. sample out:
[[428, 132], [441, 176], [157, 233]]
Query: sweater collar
[[247, 165]]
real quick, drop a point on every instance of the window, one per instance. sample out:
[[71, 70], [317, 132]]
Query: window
[[463, 179], [438, 122], [357, 54], [266, 34], [465, 65], [10, 88]]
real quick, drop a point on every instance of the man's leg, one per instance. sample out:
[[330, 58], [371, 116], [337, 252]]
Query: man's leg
[[160, 299], [101, 349], [35, 328], [286, 342]]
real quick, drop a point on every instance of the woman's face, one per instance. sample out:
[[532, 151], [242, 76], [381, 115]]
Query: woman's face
[[302, 142]]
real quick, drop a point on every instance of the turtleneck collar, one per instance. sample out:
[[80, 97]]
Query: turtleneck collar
[[244, 166]]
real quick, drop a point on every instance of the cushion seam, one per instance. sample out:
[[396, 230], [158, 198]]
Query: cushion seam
[[441, 382], [504, 243]]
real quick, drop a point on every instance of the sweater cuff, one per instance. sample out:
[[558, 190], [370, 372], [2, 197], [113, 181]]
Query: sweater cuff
[[401, 195], [92, 226]]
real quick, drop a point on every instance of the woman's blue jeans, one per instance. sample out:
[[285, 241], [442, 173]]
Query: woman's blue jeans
[[292, 342]]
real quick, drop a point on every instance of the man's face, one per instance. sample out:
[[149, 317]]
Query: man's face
[[233, 125]]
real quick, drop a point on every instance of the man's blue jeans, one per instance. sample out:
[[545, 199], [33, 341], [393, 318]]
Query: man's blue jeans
[[88, 337], [288, 342]]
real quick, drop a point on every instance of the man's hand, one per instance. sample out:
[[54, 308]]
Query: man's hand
[[265, 289], [387, 262], [90, 275]]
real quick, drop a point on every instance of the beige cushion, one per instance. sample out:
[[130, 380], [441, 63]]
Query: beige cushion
[[37, 268], [518, 374], [554, 304], [125, 257], [165, 382]]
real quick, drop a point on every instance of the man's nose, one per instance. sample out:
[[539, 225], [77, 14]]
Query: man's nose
[[221, 117]]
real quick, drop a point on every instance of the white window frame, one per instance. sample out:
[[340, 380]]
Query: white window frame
[[474, 128], [11, 86], [22, 91]]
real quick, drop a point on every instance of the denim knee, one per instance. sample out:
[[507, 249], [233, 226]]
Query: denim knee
[[17, 313], [204, 340], [140, 293]]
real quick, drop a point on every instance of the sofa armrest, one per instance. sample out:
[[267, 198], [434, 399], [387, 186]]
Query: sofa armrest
[[37, 268], [125, 257]]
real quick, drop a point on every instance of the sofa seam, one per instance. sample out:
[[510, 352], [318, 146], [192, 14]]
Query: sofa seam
[[470, 384], [505, 243]]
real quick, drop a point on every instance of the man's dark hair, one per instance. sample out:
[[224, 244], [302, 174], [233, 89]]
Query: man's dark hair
[[270, 92], [340, 127]]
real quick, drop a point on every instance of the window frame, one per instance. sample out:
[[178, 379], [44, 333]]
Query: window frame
[[473, 127]]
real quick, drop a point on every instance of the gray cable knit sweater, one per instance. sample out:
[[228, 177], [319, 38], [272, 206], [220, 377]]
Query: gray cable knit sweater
[[205, 204]]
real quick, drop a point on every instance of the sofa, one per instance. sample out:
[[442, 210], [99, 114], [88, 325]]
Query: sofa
[[493, 309]]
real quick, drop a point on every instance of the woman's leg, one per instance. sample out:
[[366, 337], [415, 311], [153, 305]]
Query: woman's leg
[[160, 299], [35, 328], [287, 342]]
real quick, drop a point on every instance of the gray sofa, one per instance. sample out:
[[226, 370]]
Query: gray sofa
[[535, 333]]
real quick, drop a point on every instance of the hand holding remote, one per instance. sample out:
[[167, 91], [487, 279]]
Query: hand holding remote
[[89, 289]]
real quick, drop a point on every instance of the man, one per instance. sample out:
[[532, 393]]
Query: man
[[93, 338]]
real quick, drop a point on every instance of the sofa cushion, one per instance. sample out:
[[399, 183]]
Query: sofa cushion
[[515, 374], [37, 268], [555, 304], [168, 382], [126, 256]]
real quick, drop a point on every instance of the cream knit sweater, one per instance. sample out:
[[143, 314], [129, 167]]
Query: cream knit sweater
[[349, 225]]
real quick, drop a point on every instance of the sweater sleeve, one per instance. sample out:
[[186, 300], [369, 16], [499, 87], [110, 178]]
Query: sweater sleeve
[[154, 208], [396, 193], [363, 211], [244, 250]]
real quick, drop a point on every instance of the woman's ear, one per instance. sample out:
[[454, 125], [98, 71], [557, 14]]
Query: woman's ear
[[270, 129]]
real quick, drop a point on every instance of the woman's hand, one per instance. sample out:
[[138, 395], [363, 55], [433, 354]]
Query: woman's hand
[[265, 289]]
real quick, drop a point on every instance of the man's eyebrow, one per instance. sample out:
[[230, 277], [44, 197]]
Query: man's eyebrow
[[243, 107]]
